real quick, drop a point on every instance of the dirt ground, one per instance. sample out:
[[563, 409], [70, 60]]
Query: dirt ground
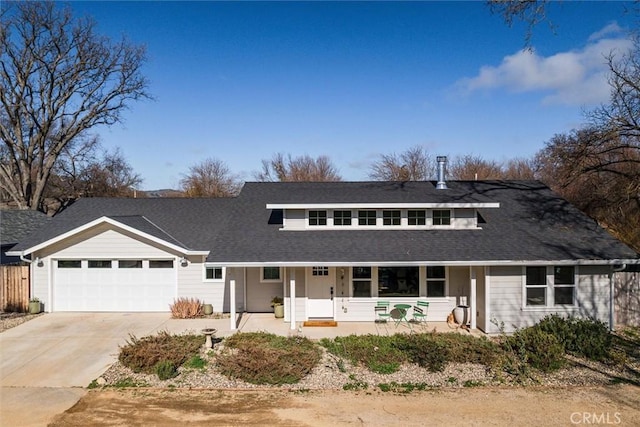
[[531, 406]]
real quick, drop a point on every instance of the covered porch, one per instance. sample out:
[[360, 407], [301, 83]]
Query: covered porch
[[349, 293]]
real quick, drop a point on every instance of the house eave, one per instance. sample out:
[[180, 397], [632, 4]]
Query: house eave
[[381, 205]]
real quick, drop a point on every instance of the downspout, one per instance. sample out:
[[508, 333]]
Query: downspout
[[614, 269]]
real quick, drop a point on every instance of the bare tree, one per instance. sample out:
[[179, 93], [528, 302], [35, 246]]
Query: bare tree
[[470, 167], [519, 168], [601, 179], [58, 80], [210, 178], [303, 168], [531, 12], [414, 164]]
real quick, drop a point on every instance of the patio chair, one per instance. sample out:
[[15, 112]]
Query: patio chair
[[382, 311], [420, 311]]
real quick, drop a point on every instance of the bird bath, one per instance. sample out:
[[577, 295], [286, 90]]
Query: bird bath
[[208, 332]]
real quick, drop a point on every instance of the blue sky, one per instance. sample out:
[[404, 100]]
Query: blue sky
[[240, 81]]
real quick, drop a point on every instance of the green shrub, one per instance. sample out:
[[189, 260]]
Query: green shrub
[[589, 338], [196, 362], [143, 354], [538, 348], [165, 369], [262, 358], [379, 354]]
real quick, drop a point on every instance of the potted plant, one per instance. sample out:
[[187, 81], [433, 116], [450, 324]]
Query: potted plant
[[278, 307], [34, 305]]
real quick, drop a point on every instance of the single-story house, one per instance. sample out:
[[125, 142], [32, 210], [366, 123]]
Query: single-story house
[[512, 250], [15, 225]]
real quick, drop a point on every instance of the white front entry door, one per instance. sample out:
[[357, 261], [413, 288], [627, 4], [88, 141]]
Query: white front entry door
[[320, 291]]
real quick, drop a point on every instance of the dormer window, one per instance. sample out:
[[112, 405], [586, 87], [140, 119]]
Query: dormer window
[[367, 217], [341, 217], [317, 217], [441, 217], [417, 217], [391, 217]]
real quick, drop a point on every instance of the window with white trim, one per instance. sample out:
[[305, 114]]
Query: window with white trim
[[436, 281], [161, 263], [536, 286], [367, 217], [320, 271], [564, 285], [361, 282], [417, 217], [391, 217], [341, 217], [69, 263], [212, 273], [271, 274], [317, 217], [441, 217], [99, 263]]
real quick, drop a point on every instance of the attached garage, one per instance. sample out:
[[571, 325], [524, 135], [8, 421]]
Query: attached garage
[[113, 284]]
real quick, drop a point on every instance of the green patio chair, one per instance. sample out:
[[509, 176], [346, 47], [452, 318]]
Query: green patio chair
[[382, 311], [420, 311]]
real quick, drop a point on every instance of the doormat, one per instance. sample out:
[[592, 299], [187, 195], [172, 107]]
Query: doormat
[[314, 323]]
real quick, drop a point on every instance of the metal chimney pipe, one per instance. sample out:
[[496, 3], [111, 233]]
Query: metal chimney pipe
[[442, 171]]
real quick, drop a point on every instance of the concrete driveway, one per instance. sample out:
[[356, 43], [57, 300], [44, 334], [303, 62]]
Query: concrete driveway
[[46, 363]]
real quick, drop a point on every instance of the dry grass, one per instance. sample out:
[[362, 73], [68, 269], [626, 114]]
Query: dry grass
[[186, 308]]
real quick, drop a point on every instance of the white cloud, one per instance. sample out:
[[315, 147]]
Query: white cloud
[[576, 77]]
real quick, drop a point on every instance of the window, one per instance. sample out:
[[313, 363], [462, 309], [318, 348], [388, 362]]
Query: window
[[130, 263], [391, 217], [417, 217], [317, 217], [366, 217], [441, 217], [99, 263], [164, 263], [361, 282], [271, 274], [69, 263], [213, 273], [320, 271], [564, 285], [398, 281], [536, 286], [341, 217], [436, 281]]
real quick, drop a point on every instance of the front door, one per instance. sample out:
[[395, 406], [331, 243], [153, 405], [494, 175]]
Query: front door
[[321, 286]]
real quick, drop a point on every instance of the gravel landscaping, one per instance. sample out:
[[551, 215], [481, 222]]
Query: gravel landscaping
[[11, 320], [332, 373]]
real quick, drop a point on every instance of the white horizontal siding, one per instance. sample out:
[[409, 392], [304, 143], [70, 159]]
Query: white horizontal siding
[[506, 305], [40, 282], [191, 284], [295, 219], [464, 218], [105, 242]]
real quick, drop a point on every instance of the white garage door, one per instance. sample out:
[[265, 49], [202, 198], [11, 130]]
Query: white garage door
[[113, 285]]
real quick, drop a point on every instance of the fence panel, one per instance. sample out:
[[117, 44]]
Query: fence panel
[[14, 287]]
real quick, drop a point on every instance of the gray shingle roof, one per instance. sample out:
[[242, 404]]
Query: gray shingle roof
[[531, 224], [15, 225]]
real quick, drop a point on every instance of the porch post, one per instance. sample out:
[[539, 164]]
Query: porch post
[[292, 299], [232, 304], [474, 303]]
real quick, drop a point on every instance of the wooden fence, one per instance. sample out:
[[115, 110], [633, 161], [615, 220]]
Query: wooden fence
[[14, 287], [627, 298]]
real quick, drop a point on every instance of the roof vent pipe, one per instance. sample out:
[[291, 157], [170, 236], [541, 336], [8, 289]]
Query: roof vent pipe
[[442, 171]]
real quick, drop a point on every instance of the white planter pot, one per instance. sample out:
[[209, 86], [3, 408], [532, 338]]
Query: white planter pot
[[461, 314]]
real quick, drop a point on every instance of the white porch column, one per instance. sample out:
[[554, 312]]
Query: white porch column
[[292, 299], [232, 304], [474, 304]]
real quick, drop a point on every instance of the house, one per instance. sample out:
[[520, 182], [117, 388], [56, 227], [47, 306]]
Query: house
[[512, 250], [15, 225]]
